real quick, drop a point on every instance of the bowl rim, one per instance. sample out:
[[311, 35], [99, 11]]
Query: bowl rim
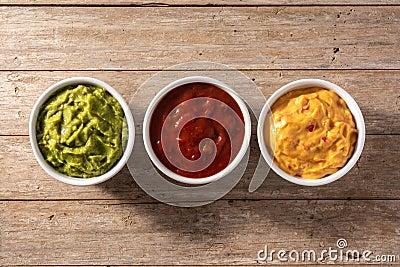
[[32, 131], [146, 130], [351, 104]]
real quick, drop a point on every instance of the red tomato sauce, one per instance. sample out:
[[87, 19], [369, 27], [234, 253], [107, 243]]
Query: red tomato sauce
[[196, 129]]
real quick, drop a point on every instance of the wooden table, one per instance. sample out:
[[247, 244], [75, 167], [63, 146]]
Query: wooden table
[[122, 42]]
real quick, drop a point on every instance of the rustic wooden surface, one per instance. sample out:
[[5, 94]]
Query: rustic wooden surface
[[45, 222], [149, 38]]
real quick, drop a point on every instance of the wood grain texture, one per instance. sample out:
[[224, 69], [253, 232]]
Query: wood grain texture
[[353, 44], [226, 232], [199, 2], [121, 38], [376, 92], [376, 176], [223, 265]]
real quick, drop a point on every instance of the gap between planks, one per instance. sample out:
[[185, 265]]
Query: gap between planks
[[216, 70], [155, 4]]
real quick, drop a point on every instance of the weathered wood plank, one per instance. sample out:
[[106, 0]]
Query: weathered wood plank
[[376, 92], [270, 265], [226, 232], [256, 264], [198, 2], [376, 176], [77, 38]]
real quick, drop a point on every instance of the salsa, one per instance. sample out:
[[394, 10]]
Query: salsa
[[192, 121], [79, 131]]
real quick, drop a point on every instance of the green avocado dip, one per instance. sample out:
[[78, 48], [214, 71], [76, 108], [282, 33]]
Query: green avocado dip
[[79, 131]]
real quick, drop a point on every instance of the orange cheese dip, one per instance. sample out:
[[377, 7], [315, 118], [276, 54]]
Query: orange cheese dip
[[314, 133]]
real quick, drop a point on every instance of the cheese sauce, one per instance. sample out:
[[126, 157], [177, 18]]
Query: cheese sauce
[[314, 133]]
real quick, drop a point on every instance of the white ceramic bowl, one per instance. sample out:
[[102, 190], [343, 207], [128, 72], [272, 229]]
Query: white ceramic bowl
[[149, 114], [264, 121], [32, 132]]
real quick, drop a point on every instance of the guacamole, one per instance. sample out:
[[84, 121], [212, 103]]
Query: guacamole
[[79, 131]]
